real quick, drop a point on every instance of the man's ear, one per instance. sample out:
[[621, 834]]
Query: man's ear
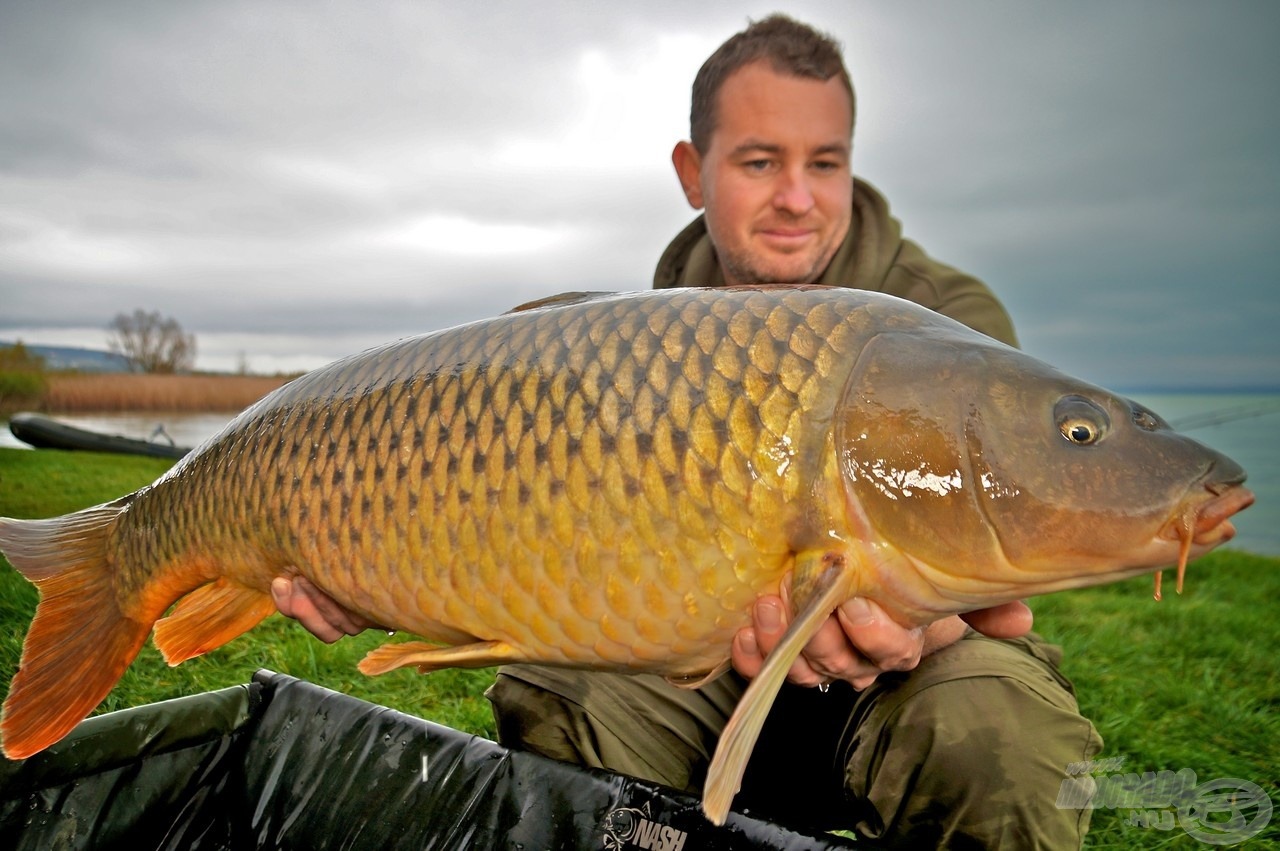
[[688, 163]]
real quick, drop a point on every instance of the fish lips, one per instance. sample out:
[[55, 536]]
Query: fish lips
[[1208, 521]]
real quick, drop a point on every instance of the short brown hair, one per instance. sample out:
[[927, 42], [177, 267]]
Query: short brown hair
[[789, 46]]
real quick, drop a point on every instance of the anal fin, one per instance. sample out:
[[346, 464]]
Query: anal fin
[[209, 617]]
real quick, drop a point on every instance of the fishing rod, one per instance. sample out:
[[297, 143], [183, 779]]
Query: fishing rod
[[1223, 415]]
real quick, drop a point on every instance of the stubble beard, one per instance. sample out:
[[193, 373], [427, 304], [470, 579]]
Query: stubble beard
[[741, 268]]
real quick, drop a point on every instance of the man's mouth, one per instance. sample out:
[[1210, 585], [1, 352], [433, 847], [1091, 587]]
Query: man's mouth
[[787, 238]]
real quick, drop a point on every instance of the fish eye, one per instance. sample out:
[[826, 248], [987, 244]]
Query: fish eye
[[1081, 421], [1079, 433]]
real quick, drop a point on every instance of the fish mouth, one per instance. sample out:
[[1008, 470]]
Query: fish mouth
[[1204, 523]]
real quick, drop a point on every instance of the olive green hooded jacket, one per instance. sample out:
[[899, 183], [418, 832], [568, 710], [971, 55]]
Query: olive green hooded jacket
[[873, 256]]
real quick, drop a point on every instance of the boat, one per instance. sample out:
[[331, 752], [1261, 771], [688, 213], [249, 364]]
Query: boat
[[280, 763], [45, 433]]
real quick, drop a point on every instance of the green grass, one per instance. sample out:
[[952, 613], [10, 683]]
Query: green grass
[[1190, 682]]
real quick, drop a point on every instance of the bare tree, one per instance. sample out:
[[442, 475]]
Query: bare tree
[[152, 343]]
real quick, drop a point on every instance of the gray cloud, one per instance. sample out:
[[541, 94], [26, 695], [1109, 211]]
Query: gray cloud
[[282, 172]]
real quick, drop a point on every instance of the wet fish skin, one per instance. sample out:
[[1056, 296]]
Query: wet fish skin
[[571, 482], [607, 483]]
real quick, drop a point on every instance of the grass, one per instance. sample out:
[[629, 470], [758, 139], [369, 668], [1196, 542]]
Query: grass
[[1190, 682]]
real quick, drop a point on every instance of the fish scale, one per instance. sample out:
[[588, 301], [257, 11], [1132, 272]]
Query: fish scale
[[609, 481], [540, 434]]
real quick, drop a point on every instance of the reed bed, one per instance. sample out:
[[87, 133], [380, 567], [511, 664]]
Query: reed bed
[[82, 394]]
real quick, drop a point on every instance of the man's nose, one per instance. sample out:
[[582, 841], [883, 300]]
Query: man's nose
[[792, 193]]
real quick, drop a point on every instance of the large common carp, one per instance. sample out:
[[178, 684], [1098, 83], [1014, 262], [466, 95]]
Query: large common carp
[[609, 482]]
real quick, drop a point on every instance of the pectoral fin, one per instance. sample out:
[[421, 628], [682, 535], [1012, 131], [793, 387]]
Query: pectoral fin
[[433, 657], [831, 586]]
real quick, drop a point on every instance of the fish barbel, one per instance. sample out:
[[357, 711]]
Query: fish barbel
[[608, 482]]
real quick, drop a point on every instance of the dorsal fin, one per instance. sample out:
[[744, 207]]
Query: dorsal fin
[[560, 300], [772, 287]]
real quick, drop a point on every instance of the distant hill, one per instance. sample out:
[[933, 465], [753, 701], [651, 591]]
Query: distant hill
[[82, 360]]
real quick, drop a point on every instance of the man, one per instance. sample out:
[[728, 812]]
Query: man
[[938, 737]]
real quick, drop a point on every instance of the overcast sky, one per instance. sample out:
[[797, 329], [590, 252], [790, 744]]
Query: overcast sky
[[297, 181]]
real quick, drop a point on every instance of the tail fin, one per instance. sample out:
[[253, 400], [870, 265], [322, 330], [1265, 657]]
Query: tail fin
[[80, 642]]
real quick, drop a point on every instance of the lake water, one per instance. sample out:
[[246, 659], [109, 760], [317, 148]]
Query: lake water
[[1243, 426]]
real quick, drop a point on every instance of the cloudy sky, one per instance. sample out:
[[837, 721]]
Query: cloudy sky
[[294, 181]]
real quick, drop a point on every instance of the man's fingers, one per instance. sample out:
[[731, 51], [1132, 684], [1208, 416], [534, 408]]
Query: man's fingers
[[885, 644], [828, 655], [319, 614], [348, 623], [1010, 620], [745, 653], [751, 645], [281, 593], [294, 603]]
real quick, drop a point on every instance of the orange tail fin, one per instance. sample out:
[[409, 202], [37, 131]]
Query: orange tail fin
[[80, 642]]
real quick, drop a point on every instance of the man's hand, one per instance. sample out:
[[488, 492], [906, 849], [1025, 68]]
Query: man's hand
[[860, 642], [318, 613]]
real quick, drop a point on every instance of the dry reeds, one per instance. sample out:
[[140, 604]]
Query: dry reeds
[[79, 393]]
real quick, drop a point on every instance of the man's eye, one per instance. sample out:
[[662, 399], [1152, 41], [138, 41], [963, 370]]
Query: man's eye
[[826, 166], [757, 165]]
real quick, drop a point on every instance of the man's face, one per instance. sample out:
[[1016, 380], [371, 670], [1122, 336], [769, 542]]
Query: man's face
[[775, 179]]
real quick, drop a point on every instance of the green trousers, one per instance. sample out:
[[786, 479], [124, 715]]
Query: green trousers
[[966, 751]]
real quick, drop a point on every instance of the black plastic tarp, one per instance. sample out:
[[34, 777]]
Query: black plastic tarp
[[280, 763]]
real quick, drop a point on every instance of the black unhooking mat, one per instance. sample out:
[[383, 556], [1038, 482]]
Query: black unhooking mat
[[280, 763]]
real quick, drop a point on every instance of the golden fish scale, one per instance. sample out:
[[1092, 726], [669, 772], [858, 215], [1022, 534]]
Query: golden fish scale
[[609, 483]]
